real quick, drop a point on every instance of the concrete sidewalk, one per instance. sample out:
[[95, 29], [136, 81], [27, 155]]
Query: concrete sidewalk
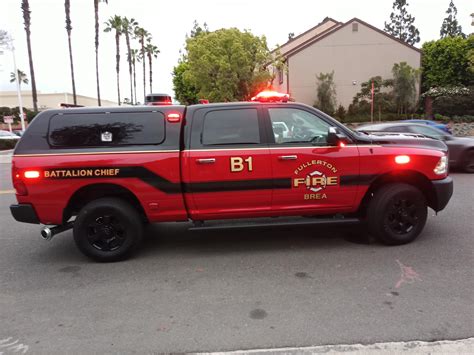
[[463, 346], [6, 156]]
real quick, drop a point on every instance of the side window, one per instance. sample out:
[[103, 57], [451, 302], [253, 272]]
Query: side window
[[427, 131], [106, 129], [292, 125], [397, 129], [238, 126]]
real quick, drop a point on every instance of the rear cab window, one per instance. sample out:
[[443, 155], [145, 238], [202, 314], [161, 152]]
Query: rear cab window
[[106, 129]]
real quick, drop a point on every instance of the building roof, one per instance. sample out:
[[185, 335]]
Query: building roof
[[286, 47], [329, 31]]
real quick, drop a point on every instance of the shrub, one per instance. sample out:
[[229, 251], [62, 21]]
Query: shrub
[[326, 93], [6, 144], [341, 113], [458, 105]]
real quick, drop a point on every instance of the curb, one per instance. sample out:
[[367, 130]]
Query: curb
[[462, 346]]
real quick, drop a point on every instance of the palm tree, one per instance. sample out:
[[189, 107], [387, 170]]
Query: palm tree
[[142, 35], [96, 13], [67, 8], [151, 52], [25, 7], [128, 26], [115, 23], [22, 78], [134, 57]]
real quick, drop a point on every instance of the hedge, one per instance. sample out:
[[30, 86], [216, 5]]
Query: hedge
[[6, 144]]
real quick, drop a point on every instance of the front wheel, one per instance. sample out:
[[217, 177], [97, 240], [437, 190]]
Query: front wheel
[[397, 214], [108, 229]]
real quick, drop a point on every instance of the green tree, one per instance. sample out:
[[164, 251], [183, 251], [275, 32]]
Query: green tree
[[96, 42], [25, 7], [115, 24], [67, 8], [128, 26], [185, 91], [227, 64], [446, 62], [404, 86], [450, 26], [401, 23], [143, 36], [151, 52], [383, 97], [326, 93], [198, 30], [21, 77]]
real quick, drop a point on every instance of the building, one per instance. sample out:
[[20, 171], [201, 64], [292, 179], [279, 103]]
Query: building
[[354, 50], [47, 101]]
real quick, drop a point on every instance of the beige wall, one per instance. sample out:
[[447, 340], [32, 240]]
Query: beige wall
[[48, 101], [287, 47], [353, 56]]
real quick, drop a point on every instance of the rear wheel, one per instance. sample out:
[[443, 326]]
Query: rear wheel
[[468, 163], [397, 214], [108, 229]]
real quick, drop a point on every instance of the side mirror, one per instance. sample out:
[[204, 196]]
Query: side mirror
[[335, 137]]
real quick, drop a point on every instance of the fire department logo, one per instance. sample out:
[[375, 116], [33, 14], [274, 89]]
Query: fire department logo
[[315, 182]]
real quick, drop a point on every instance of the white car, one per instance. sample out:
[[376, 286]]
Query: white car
[[8, 135]]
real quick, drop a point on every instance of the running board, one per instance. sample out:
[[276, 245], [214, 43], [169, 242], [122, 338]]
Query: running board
[[267, 224]]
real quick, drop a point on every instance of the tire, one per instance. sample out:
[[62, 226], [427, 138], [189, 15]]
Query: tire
[[108, 229], [468, 161], [397, 214]]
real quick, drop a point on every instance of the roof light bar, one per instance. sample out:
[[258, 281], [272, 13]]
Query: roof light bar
[[270, 96]]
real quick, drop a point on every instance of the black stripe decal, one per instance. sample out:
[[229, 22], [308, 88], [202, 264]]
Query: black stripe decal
[[97, 172], [170, 187], [238, 185], [351, 180]]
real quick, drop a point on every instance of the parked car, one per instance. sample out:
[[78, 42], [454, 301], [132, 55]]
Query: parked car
[[441, 126], [8, 135], [461, 149], [18, 132]]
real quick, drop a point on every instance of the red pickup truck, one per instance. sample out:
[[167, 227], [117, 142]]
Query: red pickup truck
[[105, 172]]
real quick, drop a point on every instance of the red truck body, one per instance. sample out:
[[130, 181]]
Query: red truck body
[[184, 179]]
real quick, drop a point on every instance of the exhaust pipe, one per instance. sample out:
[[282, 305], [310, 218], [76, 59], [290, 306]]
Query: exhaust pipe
[[47, 233]]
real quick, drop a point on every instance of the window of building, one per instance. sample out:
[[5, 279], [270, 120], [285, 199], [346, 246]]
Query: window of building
[[297, 126], [355, 27], [231, 127], [106, 129]]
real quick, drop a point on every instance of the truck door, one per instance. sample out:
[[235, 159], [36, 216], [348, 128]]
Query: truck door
[[226, 166], [313, 176]]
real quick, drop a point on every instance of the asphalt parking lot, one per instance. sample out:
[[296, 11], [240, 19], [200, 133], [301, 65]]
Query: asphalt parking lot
[[221, 290]]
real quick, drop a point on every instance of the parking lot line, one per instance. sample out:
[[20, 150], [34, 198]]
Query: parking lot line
[[4, 192]]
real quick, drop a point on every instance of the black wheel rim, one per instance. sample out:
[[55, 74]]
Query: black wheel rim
[[402, 216], [106, 233]]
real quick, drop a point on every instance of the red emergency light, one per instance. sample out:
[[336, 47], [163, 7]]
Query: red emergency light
[[270, 96]]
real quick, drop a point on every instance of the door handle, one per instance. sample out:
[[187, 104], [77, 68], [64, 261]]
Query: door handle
[[206, 161], [288, 157]]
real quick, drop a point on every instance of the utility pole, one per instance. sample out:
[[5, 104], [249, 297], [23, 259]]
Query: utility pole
[[6, 41], [372, 103]]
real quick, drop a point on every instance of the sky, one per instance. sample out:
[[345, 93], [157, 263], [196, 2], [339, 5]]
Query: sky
[[169, 22]]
